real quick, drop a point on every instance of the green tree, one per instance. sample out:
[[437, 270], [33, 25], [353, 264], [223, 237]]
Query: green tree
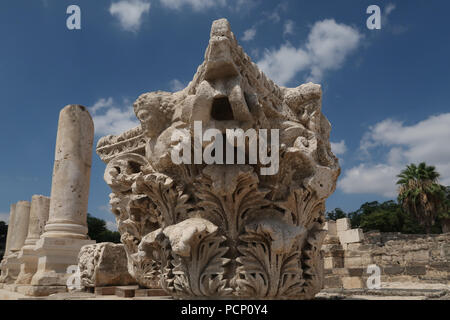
[[365, 209], [383, 220], [3, 234], [337, 213], [97, 230], [386, 217], [420, 194]]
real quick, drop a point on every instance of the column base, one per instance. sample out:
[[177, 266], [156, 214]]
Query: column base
[[40, 291], [64, 229], [55, 256], [10, 267], [28, 266]]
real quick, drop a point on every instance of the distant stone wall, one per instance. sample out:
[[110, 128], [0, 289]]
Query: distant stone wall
[[401, 258]]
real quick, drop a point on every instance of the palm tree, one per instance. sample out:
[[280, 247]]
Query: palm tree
[[420, 194]]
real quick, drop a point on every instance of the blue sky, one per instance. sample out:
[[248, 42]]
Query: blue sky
[[386, 92]]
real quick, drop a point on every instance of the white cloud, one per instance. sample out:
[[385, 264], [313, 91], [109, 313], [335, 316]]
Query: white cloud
[[129, 13], [111, 225], [177, 85], [288, 27], [328, 45], [283, 64], [338, 148], [197, 5], [426, 141], [113, 119], [4, 217], [249, 34], [100, 104], [377, 179]]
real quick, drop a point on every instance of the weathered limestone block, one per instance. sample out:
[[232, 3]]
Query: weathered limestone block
[[104, 264], [39, 211], [331, 228], [343, 224], [11, 264], [351, 236], [224, 225], [66, 230], [352, 283]]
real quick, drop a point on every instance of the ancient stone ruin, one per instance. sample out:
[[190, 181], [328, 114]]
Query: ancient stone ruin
[[402, 258], [202, 217], [46, 235], [234, 230]]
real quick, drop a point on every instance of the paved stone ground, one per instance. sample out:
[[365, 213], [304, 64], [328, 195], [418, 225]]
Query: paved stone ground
[[389, 291]]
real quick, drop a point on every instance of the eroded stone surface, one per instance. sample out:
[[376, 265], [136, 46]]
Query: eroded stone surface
[[71, 174], [104, 264], [39, 211], [212, 230], [66, 229]]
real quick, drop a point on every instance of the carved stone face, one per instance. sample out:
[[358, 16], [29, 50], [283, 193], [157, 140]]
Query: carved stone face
[[149, 109]]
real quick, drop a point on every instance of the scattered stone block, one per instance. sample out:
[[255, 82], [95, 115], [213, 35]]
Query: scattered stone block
[[104, 264], [343, 224], [330, 227], [126, 291], [352, 283], [351, 236], [105, 291]]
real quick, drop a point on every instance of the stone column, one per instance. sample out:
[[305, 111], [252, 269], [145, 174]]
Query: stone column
[[27, 256], [19, 223], [39, 212], [66, 230], [71, 174], [12, 214], [21, 219]]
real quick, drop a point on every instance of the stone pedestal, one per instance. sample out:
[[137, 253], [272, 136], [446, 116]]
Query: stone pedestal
[[19, 223], [28, 258], [56, 255], [10, 268], [66, 230]]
